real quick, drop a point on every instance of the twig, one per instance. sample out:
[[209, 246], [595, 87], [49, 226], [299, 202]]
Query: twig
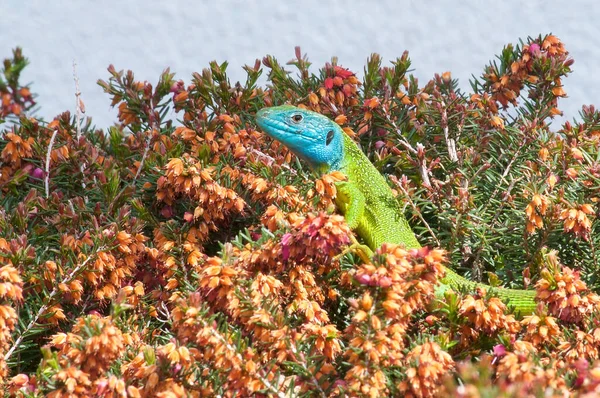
[[451, 145], [154, 126], [79, 109], [47, 176], [450, 142], [146, 149], [313, 379], [78, 103], [507, 169], [423, 165], [419, 151], [49, 298], [416, 209], [164, 311]]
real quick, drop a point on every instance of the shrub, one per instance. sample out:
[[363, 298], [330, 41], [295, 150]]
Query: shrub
[[196, 257]]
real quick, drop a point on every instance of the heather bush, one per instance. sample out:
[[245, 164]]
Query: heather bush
[[194, 256]]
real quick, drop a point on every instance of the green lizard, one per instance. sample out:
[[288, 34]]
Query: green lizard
[[365, 199]]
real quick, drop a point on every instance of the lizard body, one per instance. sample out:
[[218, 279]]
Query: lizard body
[[365, 199]]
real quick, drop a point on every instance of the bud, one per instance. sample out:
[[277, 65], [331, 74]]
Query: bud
[[363, 279], [552, 180], [385, 282], [534, 49], [446, 77], [367, 301], [587, 208], [37, 173], [572, 173], [341, 119], [420, 150], [499, 350], [577, 154]]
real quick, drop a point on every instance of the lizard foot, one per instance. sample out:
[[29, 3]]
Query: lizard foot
[[362, 251]]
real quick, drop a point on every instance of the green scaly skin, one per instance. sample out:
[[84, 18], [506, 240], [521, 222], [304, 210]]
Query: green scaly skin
[[365, 199]]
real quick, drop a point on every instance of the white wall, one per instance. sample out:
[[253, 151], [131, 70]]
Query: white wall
[[148, 36]]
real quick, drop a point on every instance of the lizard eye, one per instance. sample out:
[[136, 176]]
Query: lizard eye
[[297, 118], [329, 137]]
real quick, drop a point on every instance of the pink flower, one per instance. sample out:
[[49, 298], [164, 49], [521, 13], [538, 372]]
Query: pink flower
[[101, 386], [177, 368], [167, 212], [581, 367], [37, 173], [534, 49], [499, 350], [342, 72], [363, 279], [286, 240], [384, 282], [328, 83], [419, 253]]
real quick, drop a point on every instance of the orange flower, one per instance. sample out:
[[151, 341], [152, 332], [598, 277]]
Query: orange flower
[[371, 103], [427, 365], [484, 316], [16, 149], [540, 329], [566, 295], [576, 220], [534, 212]]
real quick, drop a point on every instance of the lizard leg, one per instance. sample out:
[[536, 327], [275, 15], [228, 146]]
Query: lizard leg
[[362, 251], [351, 201]]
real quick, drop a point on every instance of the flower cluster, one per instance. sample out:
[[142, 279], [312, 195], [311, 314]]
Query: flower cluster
[[402, 283], [484, 316], [186, 178], [81, 360], [340, 88], [14, 98], [534, 211], [566, 295], [428, 365], [576, 220], [11, 293], [506, 84]]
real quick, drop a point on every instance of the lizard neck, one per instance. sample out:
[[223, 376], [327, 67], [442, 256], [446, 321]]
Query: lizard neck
[[384, 219], [337, 163]]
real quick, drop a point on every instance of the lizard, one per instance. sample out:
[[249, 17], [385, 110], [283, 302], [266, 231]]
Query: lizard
[[365, 199]]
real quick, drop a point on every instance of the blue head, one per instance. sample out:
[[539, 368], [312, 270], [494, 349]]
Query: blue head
[[310, 135]]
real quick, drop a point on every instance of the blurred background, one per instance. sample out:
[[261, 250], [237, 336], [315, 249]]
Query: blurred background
[[148, 37]]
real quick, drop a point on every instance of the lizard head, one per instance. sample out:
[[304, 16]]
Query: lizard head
[[310, 135]]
